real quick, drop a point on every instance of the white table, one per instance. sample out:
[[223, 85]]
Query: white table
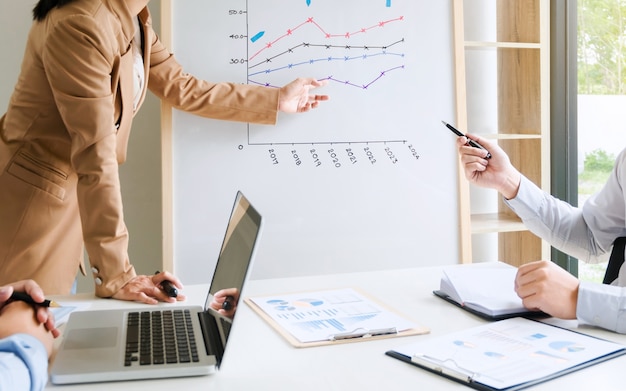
[[258, 358]]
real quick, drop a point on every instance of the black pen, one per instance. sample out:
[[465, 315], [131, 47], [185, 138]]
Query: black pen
[[168, 287], [25, 297], [227, 305], [469, 141]]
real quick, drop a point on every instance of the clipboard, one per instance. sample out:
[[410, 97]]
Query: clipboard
[[295, 311], [456, 367]]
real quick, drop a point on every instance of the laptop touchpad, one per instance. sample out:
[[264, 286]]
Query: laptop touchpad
[[92, 338]]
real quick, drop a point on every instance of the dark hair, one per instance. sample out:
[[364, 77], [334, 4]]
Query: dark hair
[[44, 6]]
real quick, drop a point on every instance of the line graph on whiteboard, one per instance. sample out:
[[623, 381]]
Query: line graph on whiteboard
[[377, 59], [337, 53], [370, 177]]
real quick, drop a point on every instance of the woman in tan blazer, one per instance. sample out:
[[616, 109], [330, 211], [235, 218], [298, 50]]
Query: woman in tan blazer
[[84, 74]]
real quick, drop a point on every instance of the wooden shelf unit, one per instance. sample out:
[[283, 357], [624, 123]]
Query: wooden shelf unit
[[518, 53]]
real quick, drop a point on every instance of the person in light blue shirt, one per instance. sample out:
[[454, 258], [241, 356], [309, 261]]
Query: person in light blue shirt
[[27, 335], [585, 233]]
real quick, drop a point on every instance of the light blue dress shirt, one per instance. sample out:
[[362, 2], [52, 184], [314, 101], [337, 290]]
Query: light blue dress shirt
[[584, 233], [23, 363]]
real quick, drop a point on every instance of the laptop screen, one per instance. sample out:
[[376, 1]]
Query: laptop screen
[[237, 250]]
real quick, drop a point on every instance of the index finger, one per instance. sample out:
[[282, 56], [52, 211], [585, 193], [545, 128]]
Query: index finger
[[226, 292], [318, 83], [527, 273], [529, 267], [30, 287], [163, 276], [484, 142], [5, 293]]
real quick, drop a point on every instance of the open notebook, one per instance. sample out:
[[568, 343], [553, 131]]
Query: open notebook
[[484, 289]]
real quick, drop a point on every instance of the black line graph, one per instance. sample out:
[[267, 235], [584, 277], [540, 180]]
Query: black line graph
[[380, 51]]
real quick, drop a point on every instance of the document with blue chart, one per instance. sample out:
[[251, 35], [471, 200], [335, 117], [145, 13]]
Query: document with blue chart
[[510, 354], [331, 316]]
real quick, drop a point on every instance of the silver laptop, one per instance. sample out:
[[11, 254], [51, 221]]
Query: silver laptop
[[112, 345]]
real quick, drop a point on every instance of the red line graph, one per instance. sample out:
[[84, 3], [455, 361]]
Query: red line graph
[[311, 21]]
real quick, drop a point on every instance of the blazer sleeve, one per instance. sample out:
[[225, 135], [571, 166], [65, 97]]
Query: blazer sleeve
[[223, 101], [78, 58]]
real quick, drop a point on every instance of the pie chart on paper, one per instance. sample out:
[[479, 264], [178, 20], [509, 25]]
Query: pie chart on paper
[[566, 346], [308, 302]]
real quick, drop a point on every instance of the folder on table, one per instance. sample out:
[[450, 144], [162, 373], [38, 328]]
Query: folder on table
[[326, 317], [510, 354]]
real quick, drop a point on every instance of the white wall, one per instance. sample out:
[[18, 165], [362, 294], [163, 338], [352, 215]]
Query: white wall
[[324, 212], [140, 176]]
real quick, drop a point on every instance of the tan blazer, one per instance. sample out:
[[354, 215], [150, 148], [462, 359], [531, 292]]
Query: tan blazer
[[66, 130]]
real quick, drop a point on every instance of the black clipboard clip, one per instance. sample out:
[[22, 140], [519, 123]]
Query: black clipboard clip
[[363, 333], [440, 367]]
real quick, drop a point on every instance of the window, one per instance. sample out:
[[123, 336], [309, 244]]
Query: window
[[601, 63]]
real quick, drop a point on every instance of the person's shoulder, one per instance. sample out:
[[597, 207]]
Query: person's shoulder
[[620, 160], [101, 14], [95, 19], [77, 8]]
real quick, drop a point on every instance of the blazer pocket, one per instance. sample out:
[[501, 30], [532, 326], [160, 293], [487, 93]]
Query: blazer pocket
[[40, 174]]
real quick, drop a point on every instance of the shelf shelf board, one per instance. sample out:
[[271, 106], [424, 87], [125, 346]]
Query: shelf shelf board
[[511, 136], [496, 222], [504, 45]]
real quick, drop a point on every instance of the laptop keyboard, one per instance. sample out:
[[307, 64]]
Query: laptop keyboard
[[160, 337]]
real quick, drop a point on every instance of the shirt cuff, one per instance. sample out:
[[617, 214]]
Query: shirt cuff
[[528, 201], [108, 287], [602, 305], [34, 355]]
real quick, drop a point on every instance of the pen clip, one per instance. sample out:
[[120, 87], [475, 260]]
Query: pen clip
[[440, 367], [363, 334]]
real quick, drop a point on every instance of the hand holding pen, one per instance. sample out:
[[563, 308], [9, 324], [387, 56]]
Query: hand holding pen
[[469, 142], [225, 301], [29, 292], [168, 286], [497, 172], [149, 289]]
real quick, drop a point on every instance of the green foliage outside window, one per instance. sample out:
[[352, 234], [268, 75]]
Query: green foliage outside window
[[597, 168], [601, 47], [599, 160]]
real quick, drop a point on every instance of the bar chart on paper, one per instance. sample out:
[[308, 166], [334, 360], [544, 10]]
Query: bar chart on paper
[[371, 163]]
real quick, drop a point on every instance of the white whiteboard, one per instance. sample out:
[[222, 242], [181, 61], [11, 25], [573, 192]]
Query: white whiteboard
[[368, 181]]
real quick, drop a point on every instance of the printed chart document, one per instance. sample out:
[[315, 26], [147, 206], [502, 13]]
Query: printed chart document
[[510, 354], [487, 290], [331, 316], [62, 313]]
